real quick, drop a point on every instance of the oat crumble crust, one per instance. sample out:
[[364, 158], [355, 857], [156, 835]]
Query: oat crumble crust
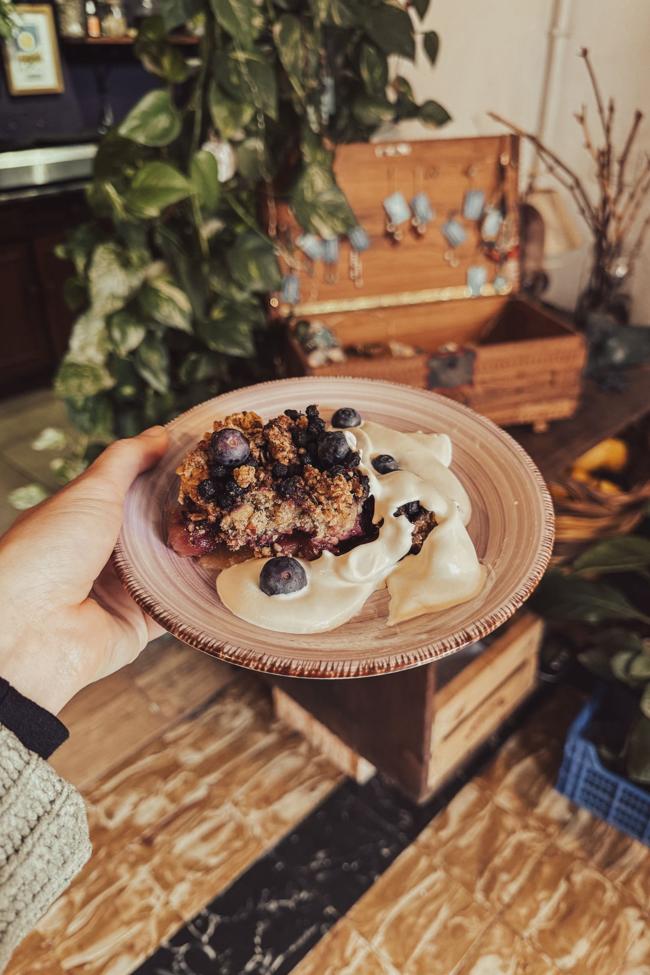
[[283, 499]]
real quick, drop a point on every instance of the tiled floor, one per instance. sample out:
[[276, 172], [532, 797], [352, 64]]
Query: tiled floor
[[225, 838]]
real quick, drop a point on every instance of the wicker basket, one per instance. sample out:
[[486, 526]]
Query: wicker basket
[[585, 514]]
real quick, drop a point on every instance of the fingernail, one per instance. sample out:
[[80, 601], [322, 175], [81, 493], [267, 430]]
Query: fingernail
[[153, 431]]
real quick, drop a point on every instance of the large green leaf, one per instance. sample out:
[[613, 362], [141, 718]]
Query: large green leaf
[[89, 339], [638, 752], [177, 12], [76, 380], [94, 417], [205, 180], [79, 246], [253, 264], [126, 331], [197, 367], [154, 121], [156, 186], [318, 203], [251, 159], [247, 77], [571, 598], [225, 332], [152, 363], [433, 113], [165, 303], [339, 13], [289, 43], [645, 701], [242, 19], [373, 67], [431, 43], [372, 111], [392, 29], [230, 117], [111, 279], [420, 7], [117, 157], [624, 554]]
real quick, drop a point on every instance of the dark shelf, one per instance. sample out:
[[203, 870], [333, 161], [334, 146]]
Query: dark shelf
[[182, 39], [601, 414]]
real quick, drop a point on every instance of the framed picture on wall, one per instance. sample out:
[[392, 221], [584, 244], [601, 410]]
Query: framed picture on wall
[[31, 56]]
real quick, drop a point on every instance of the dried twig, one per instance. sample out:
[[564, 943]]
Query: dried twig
[[584, 53], [581, 119], [638, 244], [574, 184], [623, 158], [638, 191]]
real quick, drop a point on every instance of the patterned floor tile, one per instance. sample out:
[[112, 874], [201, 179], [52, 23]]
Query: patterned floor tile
[[343, 952], [418, 917]]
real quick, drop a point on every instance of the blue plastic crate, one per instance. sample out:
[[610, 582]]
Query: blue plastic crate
[[585, 780]]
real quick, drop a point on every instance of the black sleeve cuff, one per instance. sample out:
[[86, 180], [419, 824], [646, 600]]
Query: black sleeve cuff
[[35, 727]]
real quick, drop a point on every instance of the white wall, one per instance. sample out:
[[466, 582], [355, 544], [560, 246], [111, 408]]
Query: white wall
[[492, 56]]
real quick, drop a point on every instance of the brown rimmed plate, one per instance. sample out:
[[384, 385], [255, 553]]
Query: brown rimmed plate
[[511, 527]]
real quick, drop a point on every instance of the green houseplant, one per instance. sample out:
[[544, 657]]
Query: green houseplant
[[600, 602], [170, 274]]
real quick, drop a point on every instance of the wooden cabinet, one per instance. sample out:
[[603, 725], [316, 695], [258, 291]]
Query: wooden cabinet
[[34, 319]]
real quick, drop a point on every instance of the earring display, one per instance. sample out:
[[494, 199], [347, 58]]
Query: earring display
[[473, 204], [359, 242], [476, 278], [331, 258], [311, 246], [397, 213], [423, 212], [491, 224], [290, 291], [454, 232]]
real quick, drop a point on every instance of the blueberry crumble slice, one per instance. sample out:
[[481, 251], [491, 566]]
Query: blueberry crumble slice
[[284, 487]]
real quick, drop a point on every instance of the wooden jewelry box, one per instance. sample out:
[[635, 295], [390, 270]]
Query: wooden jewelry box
[[430, 302]]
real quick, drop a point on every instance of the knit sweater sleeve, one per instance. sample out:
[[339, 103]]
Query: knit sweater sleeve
[[43, 839]]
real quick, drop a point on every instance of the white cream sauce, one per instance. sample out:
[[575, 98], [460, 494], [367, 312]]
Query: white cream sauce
[[444, 573]]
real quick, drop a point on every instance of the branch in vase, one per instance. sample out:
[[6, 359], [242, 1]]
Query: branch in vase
[[624, 156], [638, 192], [584, 54], [551, 160]]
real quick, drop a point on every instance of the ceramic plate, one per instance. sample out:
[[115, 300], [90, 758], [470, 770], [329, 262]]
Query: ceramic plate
[[511, 527]]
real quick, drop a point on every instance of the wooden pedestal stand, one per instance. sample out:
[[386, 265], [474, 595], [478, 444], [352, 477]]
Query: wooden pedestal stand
[[411, 726]]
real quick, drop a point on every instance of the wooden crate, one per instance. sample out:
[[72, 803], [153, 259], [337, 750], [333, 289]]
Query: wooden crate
[[402, 724], [527, 362]]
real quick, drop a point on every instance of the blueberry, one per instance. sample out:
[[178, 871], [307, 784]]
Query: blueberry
[[300, 437], [229, 447], [218, 470], [291, 488], [312, 412], [345, 417], [279, 470], [412, 510], [384, 464], [353, 459], [333, 448], [207, 490], [282, 575], [292, 414]]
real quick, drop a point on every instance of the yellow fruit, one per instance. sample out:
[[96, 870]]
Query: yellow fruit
[[584, 477], [610, 454], [608, 487], [558, 492]]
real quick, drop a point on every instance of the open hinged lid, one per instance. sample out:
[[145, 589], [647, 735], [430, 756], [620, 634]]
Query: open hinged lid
[[442, 284]]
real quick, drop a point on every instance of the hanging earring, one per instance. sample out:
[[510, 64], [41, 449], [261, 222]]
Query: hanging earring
[[331, 259], [423, 212], [359, 242], [476, 278], [397, 211], [312, 248], [474, 200], [453, 232]]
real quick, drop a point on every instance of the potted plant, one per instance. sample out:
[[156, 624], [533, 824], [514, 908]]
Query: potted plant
[[171, 274], [601, 601]]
